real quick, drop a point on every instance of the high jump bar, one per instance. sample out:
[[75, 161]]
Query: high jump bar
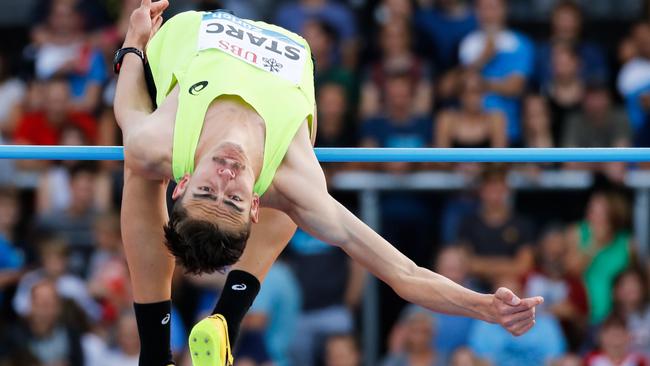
[[329, 155]]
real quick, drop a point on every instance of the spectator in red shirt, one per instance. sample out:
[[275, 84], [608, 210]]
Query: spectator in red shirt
[[44, 127], [615, 341]]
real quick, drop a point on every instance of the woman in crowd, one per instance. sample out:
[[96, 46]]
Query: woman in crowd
[[471, 125], [632, 301], [600, 249]]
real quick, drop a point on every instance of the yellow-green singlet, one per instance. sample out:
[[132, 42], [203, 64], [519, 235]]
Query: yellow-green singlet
[[209, 54]]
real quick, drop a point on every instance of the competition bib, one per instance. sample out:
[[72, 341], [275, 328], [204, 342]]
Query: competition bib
[[263, 48]]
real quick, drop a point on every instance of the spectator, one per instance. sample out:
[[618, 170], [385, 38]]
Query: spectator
[[632, 301], [334, 126], [396, 57], [566, 89], [499, 239], [599, 124], [537, 123], [566, 30], [275, 313], [505, 60], [62, 49], [293, 16], [397, 125], [12, 92], [564, 295], [54, 187], [452, 263], [44, 336], [634, 84], [471, 125], [11, 258], [615, 341], [75, 222], [537, 347], [327, 305], [53, 255], [444, 24], [341, 350], [108, 279], [323, 40], [599, 249], [44, 127], [127, 345], [414, 347], [404, 214]]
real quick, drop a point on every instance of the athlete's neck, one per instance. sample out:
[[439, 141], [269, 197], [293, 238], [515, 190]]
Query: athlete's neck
[[232, 121]]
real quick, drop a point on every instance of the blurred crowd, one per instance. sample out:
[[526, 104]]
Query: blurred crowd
[[388, 73]]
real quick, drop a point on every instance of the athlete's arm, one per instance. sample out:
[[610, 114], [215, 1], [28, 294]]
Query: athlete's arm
[[132, 102], [302, 192]]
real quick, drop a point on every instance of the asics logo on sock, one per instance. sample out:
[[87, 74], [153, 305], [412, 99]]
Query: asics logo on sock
[[166, 319], [239, 287]]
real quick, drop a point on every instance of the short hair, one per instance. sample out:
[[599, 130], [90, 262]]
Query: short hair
[[614, 320], [568, 5], [202, 246], [84, 167], [56, 246]]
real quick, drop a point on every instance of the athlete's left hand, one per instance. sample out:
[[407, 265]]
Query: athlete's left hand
[[145, 22], [515, 314]]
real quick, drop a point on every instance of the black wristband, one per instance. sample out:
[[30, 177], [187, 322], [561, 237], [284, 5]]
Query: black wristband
[[119, 57]]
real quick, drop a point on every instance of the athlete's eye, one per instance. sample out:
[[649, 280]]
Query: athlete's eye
[[236, 198], [204, 188]]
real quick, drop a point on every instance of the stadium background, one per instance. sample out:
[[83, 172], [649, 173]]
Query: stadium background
[[393, 73]]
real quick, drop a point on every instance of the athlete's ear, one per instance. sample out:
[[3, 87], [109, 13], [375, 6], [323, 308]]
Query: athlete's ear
[[181, 186], [255, 208]]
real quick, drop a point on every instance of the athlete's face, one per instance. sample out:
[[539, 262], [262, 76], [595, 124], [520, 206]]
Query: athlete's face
[[221, 188]]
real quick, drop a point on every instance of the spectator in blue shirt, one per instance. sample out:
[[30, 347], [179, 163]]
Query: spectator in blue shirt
[[327, 305], [634, 84], [295, 14], [444, 27], [11, 259], [543, 343], [397, 125], [404, 214], [505, 60], [63, 49], [566, 30]]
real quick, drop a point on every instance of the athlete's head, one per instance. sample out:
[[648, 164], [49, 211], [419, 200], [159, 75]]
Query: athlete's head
[[214, 209]]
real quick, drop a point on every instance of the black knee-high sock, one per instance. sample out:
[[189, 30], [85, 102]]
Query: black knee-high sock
[[238, 294], [154, 321]]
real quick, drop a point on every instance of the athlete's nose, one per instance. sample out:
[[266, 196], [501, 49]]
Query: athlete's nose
[[226, 172]]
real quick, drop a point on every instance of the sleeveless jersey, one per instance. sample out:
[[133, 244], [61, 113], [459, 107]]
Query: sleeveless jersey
[[209, 54]]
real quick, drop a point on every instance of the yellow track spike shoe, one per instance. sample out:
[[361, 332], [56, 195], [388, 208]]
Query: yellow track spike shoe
[[209, 343]]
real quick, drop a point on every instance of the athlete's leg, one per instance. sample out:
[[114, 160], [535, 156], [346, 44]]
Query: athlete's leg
[[268, 238], [150, 265]]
